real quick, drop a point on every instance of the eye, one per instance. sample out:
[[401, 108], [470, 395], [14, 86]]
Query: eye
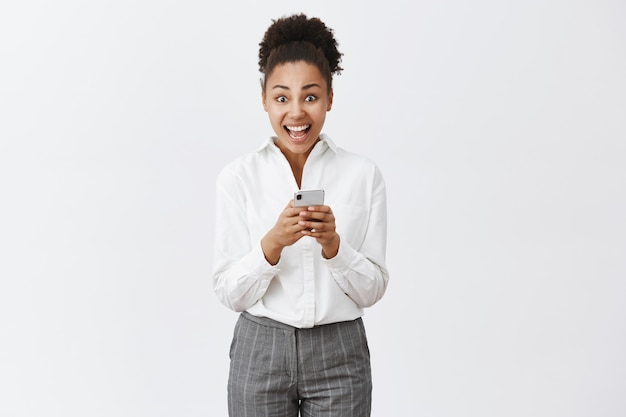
[[310, 98], [281, 99]]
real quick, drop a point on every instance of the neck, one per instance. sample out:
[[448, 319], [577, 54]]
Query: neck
[[296, 161]]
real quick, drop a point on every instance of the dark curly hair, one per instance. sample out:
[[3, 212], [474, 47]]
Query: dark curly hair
[[299, 38]]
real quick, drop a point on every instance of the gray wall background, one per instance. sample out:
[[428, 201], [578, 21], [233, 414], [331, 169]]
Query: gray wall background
[[499, 127]]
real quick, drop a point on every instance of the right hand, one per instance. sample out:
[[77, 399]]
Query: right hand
[[284, 233]]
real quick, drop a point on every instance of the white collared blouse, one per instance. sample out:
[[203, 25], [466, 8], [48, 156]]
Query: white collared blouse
[[303, 289]]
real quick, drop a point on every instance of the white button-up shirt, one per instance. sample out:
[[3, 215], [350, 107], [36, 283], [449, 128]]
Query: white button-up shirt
[[303, 289]]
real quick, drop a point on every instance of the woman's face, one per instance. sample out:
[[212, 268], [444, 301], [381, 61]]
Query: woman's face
[[296, 99]]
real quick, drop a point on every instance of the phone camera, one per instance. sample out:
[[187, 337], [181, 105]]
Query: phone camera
[[299, 197]]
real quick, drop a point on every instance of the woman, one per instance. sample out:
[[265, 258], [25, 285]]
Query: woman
[[300, 276]]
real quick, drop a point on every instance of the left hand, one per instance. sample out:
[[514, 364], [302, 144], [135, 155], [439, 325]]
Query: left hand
[[319, 222]]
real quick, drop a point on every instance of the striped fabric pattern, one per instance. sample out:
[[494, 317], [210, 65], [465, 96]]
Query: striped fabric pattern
[[279, 371]]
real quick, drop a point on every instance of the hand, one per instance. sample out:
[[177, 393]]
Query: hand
[[319, 222], [285, 232]]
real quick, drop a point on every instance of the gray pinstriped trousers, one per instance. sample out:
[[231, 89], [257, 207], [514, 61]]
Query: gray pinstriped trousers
[[277, 370]]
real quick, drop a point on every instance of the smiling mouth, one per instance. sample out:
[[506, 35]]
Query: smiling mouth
[[297, 132]]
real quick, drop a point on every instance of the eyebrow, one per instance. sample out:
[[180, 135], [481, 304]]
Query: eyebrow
[[306, 87]]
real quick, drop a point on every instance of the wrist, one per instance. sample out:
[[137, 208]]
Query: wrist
[[331, 249], [271, 251]]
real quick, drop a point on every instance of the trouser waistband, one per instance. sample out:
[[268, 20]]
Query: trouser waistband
[[264, 321]]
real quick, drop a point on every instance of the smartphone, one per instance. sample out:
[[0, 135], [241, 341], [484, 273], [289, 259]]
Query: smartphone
[[306, 198]]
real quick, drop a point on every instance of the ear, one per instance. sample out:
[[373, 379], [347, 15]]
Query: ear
[[264, 99], [330, 101]]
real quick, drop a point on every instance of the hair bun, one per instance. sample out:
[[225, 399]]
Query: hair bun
[[300, 28]]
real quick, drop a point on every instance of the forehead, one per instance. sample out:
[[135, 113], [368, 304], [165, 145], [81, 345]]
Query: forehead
[[295, 75]]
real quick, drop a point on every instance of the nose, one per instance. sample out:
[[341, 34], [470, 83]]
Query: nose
[[296, 109]]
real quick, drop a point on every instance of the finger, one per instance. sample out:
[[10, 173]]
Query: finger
[[312, 226], [320, 209], [312, 216], [291, 211]]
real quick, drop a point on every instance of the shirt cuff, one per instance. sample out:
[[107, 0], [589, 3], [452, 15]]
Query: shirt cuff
[[345, 256], [255, 261]]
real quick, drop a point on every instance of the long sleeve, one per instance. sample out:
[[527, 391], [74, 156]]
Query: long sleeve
[[241, 274], [361, 272]]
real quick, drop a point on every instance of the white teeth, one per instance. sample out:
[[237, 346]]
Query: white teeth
[[298, 128]]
